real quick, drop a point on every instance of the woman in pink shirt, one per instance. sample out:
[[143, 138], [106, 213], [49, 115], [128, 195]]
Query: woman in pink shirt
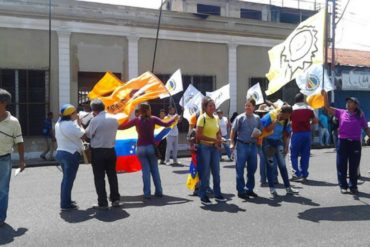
[[351, 122], [145, 124]]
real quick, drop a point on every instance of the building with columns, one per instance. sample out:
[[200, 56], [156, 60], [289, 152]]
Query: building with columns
[[87, 39]]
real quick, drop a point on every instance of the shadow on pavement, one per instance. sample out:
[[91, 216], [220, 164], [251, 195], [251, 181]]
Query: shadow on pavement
[[229, 166], [181, 171], [341, 213], [140, 202], [277, 200], [7, 233], [311, 182], [223, 207], [110, 215]]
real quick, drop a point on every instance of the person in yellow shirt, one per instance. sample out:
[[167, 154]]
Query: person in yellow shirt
[[209, 138]]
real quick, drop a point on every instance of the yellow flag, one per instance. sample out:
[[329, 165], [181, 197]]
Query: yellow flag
[[316, 101], [192, 182], [124, 99], [303, 48], [107, 84]]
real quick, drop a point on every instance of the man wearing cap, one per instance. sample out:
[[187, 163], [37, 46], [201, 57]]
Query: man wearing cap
[[102, 133], [10, 134], [351, 121], [224, 128]]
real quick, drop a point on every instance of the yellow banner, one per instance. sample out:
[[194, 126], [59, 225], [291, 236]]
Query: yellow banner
[[303, 48]]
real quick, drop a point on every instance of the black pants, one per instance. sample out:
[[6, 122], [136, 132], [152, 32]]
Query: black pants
[[103, 160], [162, 148], [348, 158]]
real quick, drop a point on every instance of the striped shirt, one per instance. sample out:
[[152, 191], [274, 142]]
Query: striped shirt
[[10, 134]]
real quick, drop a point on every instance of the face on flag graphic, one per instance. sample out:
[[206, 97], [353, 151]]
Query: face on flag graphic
[[299, 52]]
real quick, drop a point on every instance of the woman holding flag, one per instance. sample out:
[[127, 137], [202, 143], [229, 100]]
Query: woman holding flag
[[351, 122], [209, 137], [145, 150]]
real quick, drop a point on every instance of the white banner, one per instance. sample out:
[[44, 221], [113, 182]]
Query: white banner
[[173, 85], [193, 106], [310, 82], [255, 92], [220, 95], [189, 93]]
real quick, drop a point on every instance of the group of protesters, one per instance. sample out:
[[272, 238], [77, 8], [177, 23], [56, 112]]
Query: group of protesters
[[271, 134]]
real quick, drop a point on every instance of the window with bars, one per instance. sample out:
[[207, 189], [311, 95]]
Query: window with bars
[[29, 97]]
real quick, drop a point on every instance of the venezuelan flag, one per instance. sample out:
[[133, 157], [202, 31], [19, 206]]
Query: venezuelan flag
[[126, 140], [193, 177]]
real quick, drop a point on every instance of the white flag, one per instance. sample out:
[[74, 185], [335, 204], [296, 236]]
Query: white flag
[[255, 92], [220, 95], [173, 85], [310, 82], [193, 106], [189, 93]]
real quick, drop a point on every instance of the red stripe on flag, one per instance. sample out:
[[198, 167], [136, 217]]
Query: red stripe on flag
[[128, 163]]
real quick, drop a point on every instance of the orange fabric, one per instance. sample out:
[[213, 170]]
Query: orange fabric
[[315, 101], [105, 86]]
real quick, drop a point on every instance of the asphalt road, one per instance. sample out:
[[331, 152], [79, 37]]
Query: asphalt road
[[318, 216]]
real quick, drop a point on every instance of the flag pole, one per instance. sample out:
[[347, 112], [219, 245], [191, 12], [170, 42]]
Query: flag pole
[[333, 26], [325, 43]]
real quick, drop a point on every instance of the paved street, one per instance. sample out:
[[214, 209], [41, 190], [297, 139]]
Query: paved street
[[318, 216]]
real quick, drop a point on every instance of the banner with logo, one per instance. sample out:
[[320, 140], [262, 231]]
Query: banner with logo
[[311, 82], [189, 93], [193, 106], [255, 92], [220, 95], [173, 85], [303, 48]]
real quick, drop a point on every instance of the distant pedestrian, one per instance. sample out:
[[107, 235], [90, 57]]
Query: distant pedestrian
[[102, 132], [85, 115], [172, 139], [247, 127], [351, 122], [68, 133], [145, 149], [225, 129], [163, 143], [302, 117], [49, 137], [324, 129], [10, 135]]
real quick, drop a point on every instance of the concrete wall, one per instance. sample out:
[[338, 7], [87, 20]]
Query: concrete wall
[[251, 62], [96, 53], [29, 49], [194, 58]]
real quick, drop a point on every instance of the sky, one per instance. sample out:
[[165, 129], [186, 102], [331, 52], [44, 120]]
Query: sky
[[350, 33]]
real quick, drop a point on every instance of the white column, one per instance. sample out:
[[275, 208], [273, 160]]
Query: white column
[[133, 57], [64, 67], [233, 77]]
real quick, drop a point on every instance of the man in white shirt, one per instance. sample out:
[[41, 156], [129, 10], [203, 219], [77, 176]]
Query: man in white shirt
[[102, 133], [10, 134], [225, 128], [172, 138]]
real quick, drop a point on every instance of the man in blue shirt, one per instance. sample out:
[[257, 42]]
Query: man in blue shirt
[[48, 133], [246, 127]]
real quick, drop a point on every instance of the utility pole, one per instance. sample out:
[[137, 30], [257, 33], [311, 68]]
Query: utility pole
[[333, 26]]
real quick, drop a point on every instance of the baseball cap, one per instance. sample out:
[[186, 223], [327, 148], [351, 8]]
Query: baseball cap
[[353, 99], [67, 110]]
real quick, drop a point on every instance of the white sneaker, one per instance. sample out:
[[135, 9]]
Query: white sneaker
[[273, 192], [291, 191]]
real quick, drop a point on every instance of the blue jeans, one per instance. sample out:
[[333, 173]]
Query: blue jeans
[[69, 163], [227, 148], [274, 154], [5, 172], [149, 165], [324, 137], [348, 152], [263, 168], [300, 146], [245, 153], [209, 161]]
